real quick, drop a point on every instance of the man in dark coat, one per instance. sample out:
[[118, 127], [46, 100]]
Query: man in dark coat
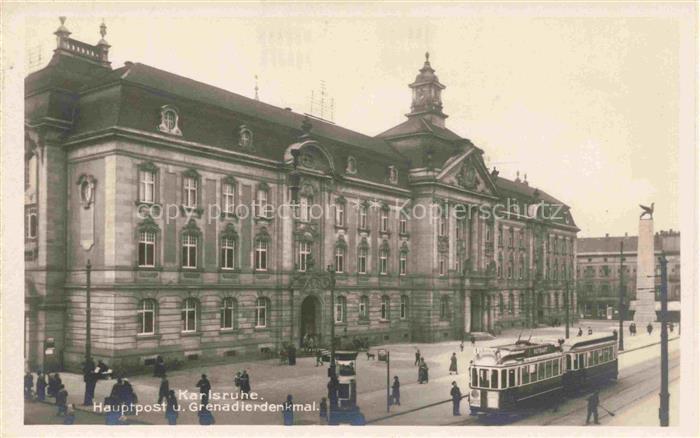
[[117, 390], [593, 401], [88, 368], [40, 386], [172, 408], [245, 383], [61, 400], [650, 328], [288, 411], [456, 398], [206, 418], [103, 370], [396, 392], [164, 390], [323, 411], [159, 367], [90, 379], [453, 364], [580, 332], [28, 384], [204, 388], [417, 361], [54, 384]]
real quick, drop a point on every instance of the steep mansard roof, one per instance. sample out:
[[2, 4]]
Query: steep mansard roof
[[131, 96]]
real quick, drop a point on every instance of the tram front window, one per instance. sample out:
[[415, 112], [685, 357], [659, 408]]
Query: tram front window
[[568, 361], [483, 378], [475, 378], [494, 378], [511, 378]]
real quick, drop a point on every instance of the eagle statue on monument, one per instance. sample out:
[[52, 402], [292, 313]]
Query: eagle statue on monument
[[647, 210]]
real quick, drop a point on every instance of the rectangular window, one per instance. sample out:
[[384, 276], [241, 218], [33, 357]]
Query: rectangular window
[[525, 375], [190, 192], [555, 369], [483, 378], [340, 214], [540, 371], [146, 317], [147, 249], [474, 377], [442, 229], [339, 311], [261, 209], [404, 307], [364, 304], [548, 369], [31, 224], [511, 378], [494, 379], [383, 262], [261, 255], [261, 313], [403, 262], [363, 217], [229, 195], [504, 379], [189, 251], [403, 223], [227, 314], [442, 265], [384, 315], [384, 221], [189, 317], [228, 251], [304, 255], [362, 261], [147, 186], [339, 260], [533, 373]]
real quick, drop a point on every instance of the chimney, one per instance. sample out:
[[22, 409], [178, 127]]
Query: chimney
[[607, 234]]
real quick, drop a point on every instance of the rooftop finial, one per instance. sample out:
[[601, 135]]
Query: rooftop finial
[[427, 56], [103, 33], [62, 31], [256, 88], [517, 176]]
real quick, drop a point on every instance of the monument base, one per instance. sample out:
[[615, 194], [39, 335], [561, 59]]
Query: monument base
[[644, 312]]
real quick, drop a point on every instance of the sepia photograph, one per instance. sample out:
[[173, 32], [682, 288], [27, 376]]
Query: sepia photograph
[[435, 218]]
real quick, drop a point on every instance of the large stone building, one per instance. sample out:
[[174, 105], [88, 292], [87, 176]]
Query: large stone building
[[598, 273], [170, 188]]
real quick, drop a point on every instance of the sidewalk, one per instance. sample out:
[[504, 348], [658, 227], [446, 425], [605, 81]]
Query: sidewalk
[[307, 383]]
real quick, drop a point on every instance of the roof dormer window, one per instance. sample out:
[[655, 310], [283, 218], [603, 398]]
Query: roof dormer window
[[169, 120], [393, 175]]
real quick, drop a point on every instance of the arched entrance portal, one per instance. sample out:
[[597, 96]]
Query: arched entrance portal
[[310, 320]]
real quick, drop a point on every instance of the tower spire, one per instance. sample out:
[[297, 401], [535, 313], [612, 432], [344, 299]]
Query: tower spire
[[427, 102]]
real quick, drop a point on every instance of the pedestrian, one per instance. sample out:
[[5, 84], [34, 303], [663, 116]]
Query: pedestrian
[[90, 379], [129, 396], [670, 326], [292, 353], [54, 384], [288, 411], [117, 390], [204, 388], [28, 384], [456, 398], [205, 416], [103, 370], [396, 391], [245, 383], [114, 413], [650, 328], [631, 329], [472, 339], [159, 367], [319, 357], [417, 361], [69, 418], [40, 386], [580, 332], [237, 381], [163, 390], [590, 330], [61, 400], [593, 401], [453, 364], [171, 408], [461, 346], [323, 411]]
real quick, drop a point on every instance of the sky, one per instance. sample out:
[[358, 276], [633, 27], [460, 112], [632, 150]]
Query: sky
[[586, 101]]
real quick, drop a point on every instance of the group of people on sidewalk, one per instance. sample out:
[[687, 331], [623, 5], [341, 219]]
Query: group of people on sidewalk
[[53, 388]]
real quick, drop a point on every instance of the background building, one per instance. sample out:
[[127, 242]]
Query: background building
[[598, 271], [163, 184]]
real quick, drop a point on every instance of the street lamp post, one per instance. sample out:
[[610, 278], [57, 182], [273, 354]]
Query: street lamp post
[[566, 305], [88, 311], [621, 304], [333, 378], [663, 395]]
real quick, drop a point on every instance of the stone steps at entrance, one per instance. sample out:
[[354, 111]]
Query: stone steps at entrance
[[480, 336]]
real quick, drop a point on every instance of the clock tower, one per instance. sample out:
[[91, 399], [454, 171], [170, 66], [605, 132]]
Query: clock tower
[[427, 103]]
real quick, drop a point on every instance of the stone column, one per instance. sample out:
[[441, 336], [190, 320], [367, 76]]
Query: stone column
[[644, 304], [467, 312]]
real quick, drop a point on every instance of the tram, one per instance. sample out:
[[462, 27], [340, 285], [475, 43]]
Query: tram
[[523, 375]]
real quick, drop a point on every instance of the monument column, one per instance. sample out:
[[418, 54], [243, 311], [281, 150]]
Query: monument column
[[643, 305]]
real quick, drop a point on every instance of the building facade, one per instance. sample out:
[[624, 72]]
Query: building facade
[[598, 265], [177, 194]]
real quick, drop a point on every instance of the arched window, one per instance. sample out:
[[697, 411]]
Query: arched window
[[228, 313], [169, 120], [403, 312], [362, 257], [384, 310], [147, 234], [340, 309], [364, 308], [262, 310], [511, 303], [500, 265], [501, 306], [146, 315], [190, 245], [444, 307], [340, 253], [403, 222], [384, 258], [261, 250], [31, 224], [188, 315], [229, 247]]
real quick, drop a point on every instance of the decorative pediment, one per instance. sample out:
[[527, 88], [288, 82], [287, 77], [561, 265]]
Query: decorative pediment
[[148, 225], [340, 243], [148, 166], [468, 172], [229, 232], [191, 228]]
